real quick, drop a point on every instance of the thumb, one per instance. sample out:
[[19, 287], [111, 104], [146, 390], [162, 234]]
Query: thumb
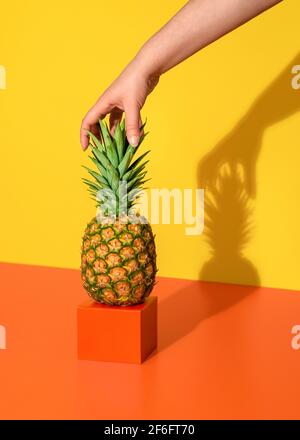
[[132, 122]]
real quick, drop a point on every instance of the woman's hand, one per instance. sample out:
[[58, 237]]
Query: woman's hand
[[127, 94], [197, 24]]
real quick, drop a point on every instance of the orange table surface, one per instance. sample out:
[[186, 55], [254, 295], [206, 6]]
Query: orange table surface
[[224, 352]]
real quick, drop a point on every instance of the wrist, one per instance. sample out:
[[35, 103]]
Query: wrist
[[146, 65]]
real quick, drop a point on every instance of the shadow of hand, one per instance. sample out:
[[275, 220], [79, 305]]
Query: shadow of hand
[[241, 147], [228, 172], [237, 151]]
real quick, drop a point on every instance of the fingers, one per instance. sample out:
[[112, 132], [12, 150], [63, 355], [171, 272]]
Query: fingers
[[132, 121], [100, 109], [250, 179], [115, 119]]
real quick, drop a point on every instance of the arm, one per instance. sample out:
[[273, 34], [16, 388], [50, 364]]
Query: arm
[[197, 24]]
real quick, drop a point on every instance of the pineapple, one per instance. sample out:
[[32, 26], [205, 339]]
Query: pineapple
[[118, 260]]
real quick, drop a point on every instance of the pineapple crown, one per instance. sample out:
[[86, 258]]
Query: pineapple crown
[[118, 180]]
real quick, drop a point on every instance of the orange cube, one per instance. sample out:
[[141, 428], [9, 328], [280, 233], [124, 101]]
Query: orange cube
[[116, 333]]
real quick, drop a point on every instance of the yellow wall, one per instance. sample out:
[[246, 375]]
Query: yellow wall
[[231, 103]]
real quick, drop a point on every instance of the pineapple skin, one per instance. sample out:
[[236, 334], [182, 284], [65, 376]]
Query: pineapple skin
[[118, 262]]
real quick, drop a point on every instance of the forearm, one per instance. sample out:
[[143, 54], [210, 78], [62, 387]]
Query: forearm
[[197, 24]]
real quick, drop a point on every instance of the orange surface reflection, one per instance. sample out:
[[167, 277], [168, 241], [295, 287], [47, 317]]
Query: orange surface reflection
[[224, 352]]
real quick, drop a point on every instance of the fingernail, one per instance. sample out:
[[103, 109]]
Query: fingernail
[[134, 141]]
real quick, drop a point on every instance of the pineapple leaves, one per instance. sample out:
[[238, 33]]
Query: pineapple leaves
[[111, 172], [104, 161], [105, 132], [99, 166], [136, 180], [95, 141], [113, 158], [133, 194], [135, 172], [126, 160], [91, 185], [103, 182], [123, 130], [133, 166], [101, 159], [110, 147], [119, 140], [143, 125], [112, 155], [143, 137]]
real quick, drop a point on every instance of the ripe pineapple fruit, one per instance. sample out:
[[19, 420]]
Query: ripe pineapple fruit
[[118, 260]]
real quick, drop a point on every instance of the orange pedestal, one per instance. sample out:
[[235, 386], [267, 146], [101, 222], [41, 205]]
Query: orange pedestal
[[117, 334]]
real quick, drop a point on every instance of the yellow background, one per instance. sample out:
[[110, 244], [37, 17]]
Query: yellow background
[[234, 99]]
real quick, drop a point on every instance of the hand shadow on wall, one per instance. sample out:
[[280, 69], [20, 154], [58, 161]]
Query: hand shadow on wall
[[228, 174]]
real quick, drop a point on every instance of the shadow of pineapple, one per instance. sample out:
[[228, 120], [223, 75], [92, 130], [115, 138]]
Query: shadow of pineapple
[[227, 230]]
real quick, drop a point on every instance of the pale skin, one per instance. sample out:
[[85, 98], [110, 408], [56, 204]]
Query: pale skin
[[196, 25]]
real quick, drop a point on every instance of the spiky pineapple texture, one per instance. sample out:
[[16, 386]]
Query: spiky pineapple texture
[[118, 260], [118, 181]]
